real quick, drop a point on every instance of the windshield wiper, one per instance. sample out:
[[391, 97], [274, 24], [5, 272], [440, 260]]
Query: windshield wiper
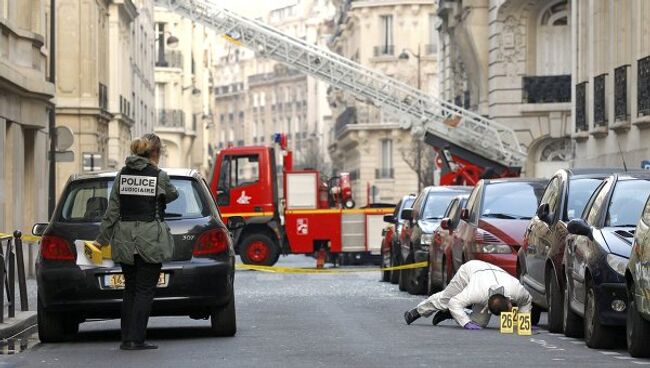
[[173, 215], [502, 216]]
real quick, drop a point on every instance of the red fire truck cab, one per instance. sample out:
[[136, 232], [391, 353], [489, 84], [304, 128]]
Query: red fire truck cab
[[309, 217]]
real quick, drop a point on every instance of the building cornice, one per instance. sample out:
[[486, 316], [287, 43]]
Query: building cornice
[[127, 8], [378, 3], [20, 83]]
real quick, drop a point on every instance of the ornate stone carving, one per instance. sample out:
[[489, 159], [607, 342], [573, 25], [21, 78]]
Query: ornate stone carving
[[511, 44]]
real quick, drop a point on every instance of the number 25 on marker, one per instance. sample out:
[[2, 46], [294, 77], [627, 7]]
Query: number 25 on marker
[[524, 325]]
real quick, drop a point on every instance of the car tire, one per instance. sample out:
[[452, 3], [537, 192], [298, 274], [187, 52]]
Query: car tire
[[554, 296], [417, 281], [535, 315], [405, 275], [54, 326], [572, 323], [223, 320], [259, 249], [597, 336], [385, 275], [638, 329], [394, 275]]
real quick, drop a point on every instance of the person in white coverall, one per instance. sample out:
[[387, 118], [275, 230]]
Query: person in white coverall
[[481, 286]]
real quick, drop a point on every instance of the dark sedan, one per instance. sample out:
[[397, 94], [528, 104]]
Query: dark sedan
[[197, 282], [637, 278], [390, 239], [539, 265], [596, 255], [440, 269]]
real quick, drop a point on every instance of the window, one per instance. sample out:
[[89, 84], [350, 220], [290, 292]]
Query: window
[[244, 170], [386, 159], [627, 203], [190, 203], [580, 190], [160, 96], [386, 32], [552, 195], [514, 200], [432, 48], [436, 205], [86, 201], [596, 202]]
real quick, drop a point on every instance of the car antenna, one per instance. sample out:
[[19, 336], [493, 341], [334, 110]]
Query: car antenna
[[620, 151]]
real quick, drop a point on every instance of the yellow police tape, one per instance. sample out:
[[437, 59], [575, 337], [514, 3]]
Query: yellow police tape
[[279, 269], [28, 238]]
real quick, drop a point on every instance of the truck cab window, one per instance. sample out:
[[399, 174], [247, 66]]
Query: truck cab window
[[244, 170]]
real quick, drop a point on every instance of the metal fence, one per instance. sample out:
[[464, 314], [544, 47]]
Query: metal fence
[[12, 265]]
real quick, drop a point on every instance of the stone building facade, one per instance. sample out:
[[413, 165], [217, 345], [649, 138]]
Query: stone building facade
[[510, 60], [370, 145], [25, 99], [611, 82], [184, 89]]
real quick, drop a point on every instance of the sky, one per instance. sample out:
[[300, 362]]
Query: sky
[[252, 8]]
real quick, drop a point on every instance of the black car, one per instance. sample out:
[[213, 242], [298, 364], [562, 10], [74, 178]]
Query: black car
[[596, 256], [197, 282], [637, 278], [422, 220], [540, 264], [390, 239]]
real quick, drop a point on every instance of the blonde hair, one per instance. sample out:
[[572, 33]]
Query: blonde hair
[[146, 145]]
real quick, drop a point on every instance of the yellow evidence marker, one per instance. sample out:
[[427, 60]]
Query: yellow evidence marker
[[515, 313], [507, 322], [96, 255], [525, 325]]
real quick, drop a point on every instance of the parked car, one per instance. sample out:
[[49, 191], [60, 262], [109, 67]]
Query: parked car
[[425, 216], [197, 282], [540, 263], [596, 255], [440, 249], [390, 239], [492, 226], [637, 278]]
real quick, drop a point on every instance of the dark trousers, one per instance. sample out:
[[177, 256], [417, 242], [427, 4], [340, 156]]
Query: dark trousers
[[140, 280]]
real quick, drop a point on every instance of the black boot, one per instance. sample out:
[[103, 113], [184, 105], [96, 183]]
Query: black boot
[[411, 315], [441, 316]]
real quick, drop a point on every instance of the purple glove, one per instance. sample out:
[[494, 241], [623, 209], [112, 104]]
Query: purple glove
[[473, 326]]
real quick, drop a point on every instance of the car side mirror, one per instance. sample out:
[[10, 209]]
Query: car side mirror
[[445, 224], [579, 227], [543, 212], [389, 219], [407, 214], [236, 223], [464, 214], [39, 229]]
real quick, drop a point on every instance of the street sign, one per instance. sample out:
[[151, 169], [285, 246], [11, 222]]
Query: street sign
[[65, 156], [64, 138], [92, 161]]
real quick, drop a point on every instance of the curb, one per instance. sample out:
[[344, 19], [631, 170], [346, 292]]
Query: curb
[[14, 326]]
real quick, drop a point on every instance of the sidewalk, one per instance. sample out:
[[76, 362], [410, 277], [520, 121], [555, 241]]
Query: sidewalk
[[22, 320]]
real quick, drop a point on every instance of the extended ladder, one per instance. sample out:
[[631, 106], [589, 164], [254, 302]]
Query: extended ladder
[[416, 110]]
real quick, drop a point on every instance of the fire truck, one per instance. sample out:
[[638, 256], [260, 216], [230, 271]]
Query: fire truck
[[469, 146], [314, 215]]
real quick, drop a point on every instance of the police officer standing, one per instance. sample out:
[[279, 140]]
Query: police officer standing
[[140, 239]]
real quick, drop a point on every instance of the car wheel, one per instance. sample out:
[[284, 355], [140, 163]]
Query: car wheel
[[554, 301], [638, 329], [223, 320], [394, 275], [416, 284], [259, 249], [597, 336], [54, 326], [572, 324], [385, 275], [535, 315], [405, 275]]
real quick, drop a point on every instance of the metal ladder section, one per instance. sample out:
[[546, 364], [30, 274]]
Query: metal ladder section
[[414, 109]]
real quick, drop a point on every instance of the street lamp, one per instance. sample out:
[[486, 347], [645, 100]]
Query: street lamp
[[172, 43], [418, 56]]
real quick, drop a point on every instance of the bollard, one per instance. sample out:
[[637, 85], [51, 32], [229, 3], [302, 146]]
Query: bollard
[[2, 283], [11, 278], [20, 263]]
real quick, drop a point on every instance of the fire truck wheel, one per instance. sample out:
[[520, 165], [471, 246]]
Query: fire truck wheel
[[259, 249], [349, 203]]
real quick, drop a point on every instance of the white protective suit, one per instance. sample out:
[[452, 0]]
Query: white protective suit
[[472, 286]]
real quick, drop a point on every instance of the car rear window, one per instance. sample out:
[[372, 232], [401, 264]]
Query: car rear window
[[511, 200], [580, 190], [87, 201], [627, 203], [436, 204]]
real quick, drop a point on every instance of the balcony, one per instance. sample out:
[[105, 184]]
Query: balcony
[[643, 87], [171, 59], [581, 107], [547, 89], [168, 118], [385, 50], [348, 116], [385, 173], [600, 102]]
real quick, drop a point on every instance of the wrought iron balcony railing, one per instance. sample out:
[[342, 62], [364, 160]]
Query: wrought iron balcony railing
[[173, 59], [385, 173], [643, 87], [581, 107], [621, 110], [384, 50], [547, 89], [348, 116], [168, 118], [600, 101]]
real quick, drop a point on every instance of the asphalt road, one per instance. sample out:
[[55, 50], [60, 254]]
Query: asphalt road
[[316, 320]]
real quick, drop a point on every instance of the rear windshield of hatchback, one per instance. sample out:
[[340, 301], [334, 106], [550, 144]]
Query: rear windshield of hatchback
[[511, 200], [86, 201]]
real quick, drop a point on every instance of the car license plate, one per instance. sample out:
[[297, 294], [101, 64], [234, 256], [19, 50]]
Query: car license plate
[[116, 281]]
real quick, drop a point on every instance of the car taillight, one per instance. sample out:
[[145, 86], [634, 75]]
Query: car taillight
[[211, 242], [54, 248]]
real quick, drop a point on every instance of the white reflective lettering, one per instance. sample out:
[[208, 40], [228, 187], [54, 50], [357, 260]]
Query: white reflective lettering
[[138, 185]]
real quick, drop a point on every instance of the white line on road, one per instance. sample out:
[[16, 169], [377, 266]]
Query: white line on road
[[624, 358], [641, 363], [609, 353]]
